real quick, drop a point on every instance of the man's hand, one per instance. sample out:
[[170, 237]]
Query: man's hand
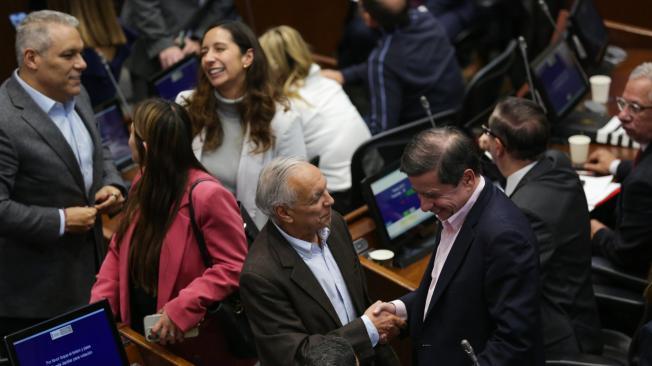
[[483, 142], [79, 219], [596, 226], [386, 322], [170, 56], [334, 75], [190, 47], [166, 330], [599, 161], [108, 199]]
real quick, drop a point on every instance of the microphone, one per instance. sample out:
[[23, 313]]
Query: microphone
[[466, 346], [123, 101], [546, 12], [426, 107], [522, 45]]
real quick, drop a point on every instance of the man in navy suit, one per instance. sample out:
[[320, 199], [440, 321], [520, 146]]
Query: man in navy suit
[[482, 281]]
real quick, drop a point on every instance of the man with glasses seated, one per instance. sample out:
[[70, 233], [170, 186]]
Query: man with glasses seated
[[550, 195], [629, 243]]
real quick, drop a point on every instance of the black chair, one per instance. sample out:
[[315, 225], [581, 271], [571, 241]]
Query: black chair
[[386, 148], [488, 85], [605, 272]]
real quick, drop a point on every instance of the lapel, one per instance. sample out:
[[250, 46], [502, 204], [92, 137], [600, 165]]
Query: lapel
[[300, 274], [43, 125], [461, 246], [83, 108], [541, 167], [346, 264]]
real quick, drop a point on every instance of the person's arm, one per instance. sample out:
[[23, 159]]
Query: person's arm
[[512, 295], [354, 74], [281, 337], [107, 281], [218, 216], [289, 138], [147, 18], [27, 223], [385, 94]]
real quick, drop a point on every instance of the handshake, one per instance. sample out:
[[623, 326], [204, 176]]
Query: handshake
[[383, 316]]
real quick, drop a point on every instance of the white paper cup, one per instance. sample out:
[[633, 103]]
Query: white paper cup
[[579, 148], [600, 88], [382, 256]]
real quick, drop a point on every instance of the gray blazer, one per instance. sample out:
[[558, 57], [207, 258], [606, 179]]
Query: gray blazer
[[42, 274]]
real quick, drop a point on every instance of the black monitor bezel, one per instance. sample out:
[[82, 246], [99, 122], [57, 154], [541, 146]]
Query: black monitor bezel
[[63, 318], [574, 28], [381, 229], [552, 116], [151, 84]]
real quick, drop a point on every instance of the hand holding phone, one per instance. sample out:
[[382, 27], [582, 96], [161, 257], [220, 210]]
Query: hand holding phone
[[159, 324]]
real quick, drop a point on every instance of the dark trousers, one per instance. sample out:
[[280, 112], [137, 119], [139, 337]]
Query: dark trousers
[[12, 325]]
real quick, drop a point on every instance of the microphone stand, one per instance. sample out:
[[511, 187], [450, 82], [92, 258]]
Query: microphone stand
[[522, 45], [466, 346], [426, 107], [123, 101]]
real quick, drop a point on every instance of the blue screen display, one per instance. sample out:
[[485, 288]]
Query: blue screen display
[[114, 134], [181, 77], [398, 203], [86, 340]]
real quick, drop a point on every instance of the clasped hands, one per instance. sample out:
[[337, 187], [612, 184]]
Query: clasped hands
[[81, 219], [383, 316]]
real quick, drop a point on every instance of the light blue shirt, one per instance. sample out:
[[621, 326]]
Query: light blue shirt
[[73, 130], [323, 266]]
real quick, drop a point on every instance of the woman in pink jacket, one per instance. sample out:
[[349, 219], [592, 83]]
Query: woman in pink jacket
[[154, 263]]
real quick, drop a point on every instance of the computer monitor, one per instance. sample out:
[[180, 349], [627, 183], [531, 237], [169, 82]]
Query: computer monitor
[[587, 24], [179, 77], [114, 132], [559, 80], [400, 224], [85, 336]]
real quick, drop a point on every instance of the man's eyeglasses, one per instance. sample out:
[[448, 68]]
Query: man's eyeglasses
[[634, 107]]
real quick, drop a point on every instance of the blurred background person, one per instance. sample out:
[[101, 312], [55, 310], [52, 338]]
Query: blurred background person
[[332, 127], [154, 263], [240, 120], [168, 31]]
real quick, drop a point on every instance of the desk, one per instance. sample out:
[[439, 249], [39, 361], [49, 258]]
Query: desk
[[140, 351]]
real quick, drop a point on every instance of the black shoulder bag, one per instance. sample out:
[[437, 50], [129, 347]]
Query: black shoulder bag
[[229, 311]]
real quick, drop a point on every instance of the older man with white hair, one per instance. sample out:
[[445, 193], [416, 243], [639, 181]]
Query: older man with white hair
[[302, 279], [629, 243]]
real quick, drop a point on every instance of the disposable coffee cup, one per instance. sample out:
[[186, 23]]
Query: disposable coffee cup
[[382, 256], [579, 148], [600, 88]]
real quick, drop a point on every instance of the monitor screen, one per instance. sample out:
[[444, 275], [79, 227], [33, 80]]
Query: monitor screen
[[114, 133], [589, 26], [181, 76], [397, 203], [559, 79], [86, 336]]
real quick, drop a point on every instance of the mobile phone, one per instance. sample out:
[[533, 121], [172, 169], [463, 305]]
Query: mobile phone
[[150, 320]]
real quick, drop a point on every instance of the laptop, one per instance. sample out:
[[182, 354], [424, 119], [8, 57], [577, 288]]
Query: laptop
[[181, 76], [401, 226], [562, 84], [85, 336], [114, 132]]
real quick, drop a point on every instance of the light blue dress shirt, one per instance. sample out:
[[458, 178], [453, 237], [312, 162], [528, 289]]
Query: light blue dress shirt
[[323, 266], [73, 130]]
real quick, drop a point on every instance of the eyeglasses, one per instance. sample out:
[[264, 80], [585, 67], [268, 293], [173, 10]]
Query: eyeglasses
[[634, 107]]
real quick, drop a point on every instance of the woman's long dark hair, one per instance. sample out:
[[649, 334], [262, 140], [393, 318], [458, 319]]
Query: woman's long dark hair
[[163, 135], [258, 106]]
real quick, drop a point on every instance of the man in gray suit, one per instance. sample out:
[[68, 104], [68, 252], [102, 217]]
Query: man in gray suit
[[550, 195], [55, 177]]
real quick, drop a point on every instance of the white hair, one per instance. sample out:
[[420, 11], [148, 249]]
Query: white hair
[[273, 189], [643, 70], [33, 31]]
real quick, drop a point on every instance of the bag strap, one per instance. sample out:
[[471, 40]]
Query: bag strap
[[206, 258]]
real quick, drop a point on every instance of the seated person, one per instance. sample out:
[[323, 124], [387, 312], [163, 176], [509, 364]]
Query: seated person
[[240, 120], [332, 127], [302, 280], [551, 197], [412, 59], [629, 243]]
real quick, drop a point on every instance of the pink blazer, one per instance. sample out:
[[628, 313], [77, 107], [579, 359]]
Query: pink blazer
[[185, 287]]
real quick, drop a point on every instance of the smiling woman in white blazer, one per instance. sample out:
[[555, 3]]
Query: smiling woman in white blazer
[[240, 121]]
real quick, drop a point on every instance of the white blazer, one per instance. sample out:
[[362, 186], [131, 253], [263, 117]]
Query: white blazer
[[286, 126]]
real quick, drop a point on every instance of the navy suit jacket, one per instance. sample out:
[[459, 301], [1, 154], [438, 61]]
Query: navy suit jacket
[[487, 292]]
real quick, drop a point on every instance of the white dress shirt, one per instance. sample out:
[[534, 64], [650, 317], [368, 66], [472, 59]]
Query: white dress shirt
[[515, 178]]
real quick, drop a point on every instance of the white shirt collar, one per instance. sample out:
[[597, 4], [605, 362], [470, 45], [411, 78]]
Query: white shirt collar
[[515, 178], [305, 248], [43, 101], [457, 219]]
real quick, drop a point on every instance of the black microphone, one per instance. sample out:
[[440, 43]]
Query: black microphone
[[466, 346], [123, 101], [522, 45], [426, 107]]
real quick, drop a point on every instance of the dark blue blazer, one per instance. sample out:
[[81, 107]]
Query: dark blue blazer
[[487, 292]]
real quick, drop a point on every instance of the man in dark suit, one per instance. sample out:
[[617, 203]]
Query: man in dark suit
[[481, 282], [629, 243], [550, 195], [302, 279], [55, 177]]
